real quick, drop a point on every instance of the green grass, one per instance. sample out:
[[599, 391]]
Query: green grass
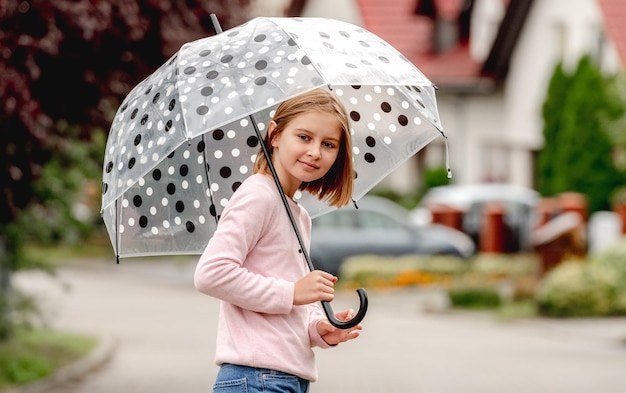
[[35, 354]]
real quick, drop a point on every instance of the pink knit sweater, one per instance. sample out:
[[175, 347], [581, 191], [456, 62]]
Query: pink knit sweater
[[251, 263]]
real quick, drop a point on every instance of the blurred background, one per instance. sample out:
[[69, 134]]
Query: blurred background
[[532, 97]]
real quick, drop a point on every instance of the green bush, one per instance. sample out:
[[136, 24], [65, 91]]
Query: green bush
[[474, 297], [596, 287], [577, 289]]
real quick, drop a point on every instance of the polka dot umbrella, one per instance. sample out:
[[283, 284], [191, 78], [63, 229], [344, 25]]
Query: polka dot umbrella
[[183, 139]]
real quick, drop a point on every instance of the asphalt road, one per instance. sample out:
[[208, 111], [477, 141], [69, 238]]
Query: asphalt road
[[164, 333]]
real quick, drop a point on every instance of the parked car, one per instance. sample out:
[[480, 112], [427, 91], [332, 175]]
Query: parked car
[[519, 205], [379, 227]]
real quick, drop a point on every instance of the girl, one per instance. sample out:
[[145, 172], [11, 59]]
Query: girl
[[269, 320]]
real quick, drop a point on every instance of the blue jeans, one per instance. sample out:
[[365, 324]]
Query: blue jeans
[[233, 378]]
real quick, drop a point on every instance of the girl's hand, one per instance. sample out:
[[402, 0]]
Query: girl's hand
[[333, 335], [316, 286]]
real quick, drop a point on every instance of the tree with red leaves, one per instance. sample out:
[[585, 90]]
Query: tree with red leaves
[[65, 65]]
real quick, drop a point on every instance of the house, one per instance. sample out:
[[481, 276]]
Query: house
[[492, 61]]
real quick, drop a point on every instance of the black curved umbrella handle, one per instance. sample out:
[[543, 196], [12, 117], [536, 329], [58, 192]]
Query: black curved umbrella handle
[[363, 302]]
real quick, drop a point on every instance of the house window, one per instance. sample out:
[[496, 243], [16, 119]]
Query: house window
[[495, 164]]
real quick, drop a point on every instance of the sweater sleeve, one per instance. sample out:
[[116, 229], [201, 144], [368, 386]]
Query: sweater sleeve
[[221, 271]]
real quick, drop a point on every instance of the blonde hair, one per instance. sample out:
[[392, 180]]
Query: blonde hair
[[337, 184]]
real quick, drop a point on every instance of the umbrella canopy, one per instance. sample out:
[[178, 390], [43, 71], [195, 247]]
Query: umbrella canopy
[[183, 139]]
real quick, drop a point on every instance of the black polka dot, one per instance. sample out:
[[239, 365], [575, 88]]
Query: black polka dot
[[369, 157], [218, 134], [171, 188], [205, 53], [184, 170], [386, 107], [137, 201], [202, 110], [355, 116], [206, 91], [180, 206], [236, 185], [168, 125], [109, 167], [144, 120], [324, 35], [137, 139], [143, 221], [134, 113], [172, 104], [171, 155], [383, 59], [148, 90], [212, 74], [260, 65], [212, 210], [365, 44], [201, 146], [260, 81], [190, 227], [252, 141], [260, 38], [291, 42], [402, 120], [225, 172], [226, 59], [305, 60], [156, 174], [350, 65], [105, 188], [156, 97], [131, 163], [370, 141], [189, 70]]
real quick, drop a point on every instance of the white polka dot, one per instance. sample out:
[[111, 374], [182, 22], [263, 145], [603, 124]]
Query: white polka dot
[[177, 220], [392, 127], [153, 210], [199, 179], [355, 150], [185, 184], [371, 126], [196, 203], [405, 105], [154, 231], [391, 91], [131, 221], [231, 134], [201, 219], [149, 191], [186, 154], [243, 123], [235, 152], [243, 169], [417, 120], [387, 140], [166, 224], [354, 101], [155, 157], [377, 116], [171, 170], [215, 187], [164, 201], [121, 229], [339, 92], [224, 202], [228, 110], [218, 154]]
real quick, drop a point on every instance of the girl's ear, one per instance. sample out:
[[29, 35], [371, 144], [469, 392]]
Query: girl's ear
[[270, 130]]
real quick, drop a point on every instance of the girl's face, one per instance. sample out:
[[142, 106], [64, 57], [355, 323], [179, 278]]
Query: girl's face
[[306, 149]]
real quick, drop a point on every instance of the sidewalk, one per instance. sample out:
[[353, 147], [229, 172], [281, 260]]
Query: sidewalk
[[165, 334]]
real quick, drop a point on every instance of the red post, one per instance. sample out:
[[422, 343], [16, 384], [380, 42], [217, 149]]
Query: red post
[[493, 231], [620, 209]]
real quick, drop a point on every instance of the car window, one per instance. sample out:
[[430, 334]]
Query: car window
[[336, 219], [375, 220]]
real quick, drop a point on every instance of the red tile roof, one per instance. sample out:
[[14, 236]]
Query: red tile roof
[[396, 22], [614, 12]]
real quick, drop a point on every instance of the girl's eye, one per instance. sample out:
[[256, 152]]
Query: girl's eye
[[304, 137], [329, 145]]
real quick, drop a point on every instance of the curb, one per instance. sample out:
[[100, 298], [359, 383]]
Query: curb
[[94, 359]]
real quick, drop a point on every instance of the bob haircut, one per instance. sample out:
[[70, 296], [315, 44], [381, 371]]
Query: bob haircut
[[337, 184]]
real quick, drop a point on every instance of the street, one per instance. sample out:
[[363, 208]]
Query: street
[[164, 333]]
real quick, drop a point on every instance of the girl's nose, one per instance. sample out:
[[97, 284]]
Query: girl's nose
[[314, 152]]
